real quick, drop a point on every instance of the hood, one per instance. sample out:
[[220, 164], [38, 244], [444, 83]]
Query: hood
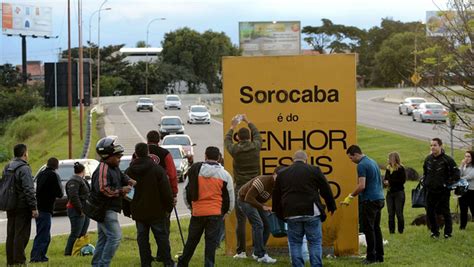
[[17, 162], [171, 126], [246, 145], [211, 169], [141, 166], [199, 114]]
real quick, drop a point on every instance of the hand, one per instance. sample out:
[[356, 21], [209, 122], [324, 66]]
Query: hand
[[34, 214], [267, 208], [126, 189], [82, 214], [234, 122], [175, 200], [347, 200], [225, 216], [132, 182], [244, 118]]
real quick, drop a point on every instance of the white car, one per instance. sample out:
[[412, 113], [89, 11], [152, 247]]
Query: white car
[[410, 104], [172, 101], [199, 114], [180, 161], [125, 162], [65, 172], [181, 140], [145, 103], [430, 112]]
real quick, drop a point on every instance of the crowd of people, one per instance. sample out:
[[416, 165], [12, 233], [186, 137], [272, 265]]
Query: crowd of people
[[147, 192]]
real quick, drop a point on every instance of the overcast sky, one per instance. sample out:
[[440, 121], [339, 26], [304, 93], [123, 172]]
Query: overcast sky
[[127, 21]]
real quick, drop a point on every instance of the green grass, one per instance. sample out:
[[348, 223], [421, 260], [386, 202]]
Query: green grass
[[45, 132]]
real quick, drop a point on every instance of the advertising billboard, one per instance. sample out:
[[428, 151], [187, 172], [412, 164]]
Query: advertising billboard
[[28, 20], [305, 102], [270, 38], [438, 23]]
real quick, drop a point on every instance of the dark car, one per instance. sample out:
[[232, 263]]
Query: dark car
[[171, 125], [65, 172]]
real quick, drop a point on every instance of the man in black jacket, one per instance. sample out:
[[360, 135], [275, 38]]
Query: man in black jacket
[[48, 188], [151, 205], [296, 199], [19, 219], [439, 171]]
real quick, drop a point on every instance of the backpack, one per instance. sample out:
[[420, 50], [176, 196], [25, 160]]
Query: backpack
[[7, 188]]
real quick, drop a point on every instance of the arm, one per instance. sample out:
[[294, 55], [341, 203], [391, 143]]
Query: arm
[[325, 191], [58, 186], [228, 143], [230, 191], [453, 170], [104, 186], [251, 197], [256, 138], [72, 188], [185, 194], [26, 182], [276, 198], [164, 188], [171, 172]]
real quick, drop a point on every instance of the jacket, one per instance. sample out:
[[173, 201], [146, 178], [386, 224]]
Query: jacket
[[298, 188], [153, 198], [48, 188], [467, 172], [257, 191], [439, 172], [77, 191], [166, 161], [396, 179], [24, 188], [209, 190], [107, 183], [245, 155]]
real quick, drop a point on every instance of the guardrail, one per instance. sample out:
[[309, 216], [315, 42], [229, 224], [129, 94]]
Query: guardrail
[[87, 140]]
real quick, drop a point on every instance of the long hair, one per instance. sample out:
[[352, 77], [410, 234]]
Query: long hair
[[394, 161], [471, 152]]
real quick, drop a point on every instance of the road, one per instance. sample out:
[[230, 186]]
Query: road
[[131, 127]]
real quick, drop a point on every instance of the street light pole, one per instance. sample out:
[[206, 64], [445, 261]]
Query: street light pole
[[90, 48], [146, 63], [98, 54]]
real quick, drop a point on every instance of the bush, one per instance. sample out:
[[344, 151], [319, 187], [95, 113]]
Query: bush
[[17, 101]]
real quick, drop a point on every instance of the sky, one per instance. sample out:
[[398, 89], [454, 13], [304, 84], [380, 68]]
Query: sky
[[126, 22]]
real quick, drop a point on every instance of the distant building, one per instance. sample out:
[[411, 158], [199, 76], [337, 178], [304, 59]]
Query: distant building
[[135, 55], [35, 71]]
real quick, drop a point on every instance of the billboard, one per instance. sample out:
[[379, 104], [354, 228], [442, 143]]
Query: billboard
[[439, 23], [303, 102], [270, 38], [29, 20]]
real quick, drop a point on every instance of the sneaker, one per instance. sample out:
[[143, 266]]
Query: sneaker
[[446, 236], [434, 236], [266, 259], [255, 257], [240, 255]]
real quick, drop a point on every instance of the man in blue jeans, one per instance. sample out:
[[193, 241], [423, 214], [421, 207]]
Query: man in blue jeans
[[109, 184], [151, 205], [296, 198], [370, 191], [48, 188]]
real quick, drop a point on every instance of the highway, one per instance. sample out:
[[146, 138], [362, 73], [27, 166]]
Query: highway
[[131, 127]]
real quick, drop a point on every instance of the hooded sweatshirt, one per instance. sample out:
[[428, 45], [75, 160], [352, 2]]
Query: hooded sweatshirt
[[153, 198], [24, 188]]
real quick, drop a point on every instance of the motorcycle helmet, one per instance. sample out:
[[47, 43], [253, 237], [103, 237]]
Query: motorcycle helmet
[[106, 147], [461, 187], [87, 250]]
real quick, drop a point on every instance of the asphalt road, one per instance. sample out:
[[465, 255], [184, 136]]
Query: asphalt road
[[131, 127]]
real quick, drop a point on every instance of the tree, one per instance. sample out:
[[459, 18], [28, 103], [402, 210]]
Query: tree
[[10, 76], [333, 38], [449, 59], [141, 44]]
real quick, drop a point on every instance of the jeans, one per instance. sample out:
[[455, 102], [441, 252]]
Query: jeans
[[161, 233], [18, 235], [79, 226], [210, 225], [395, 204], [42, 238], [168, 225], [311, 227], [371, 211], [109, 236], [438, 203], [466, 202], [240, 230], [260, 227]]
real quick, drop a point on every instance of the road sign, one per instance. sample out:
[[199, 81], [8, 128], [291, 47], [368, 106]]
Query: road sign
[[415, 78]]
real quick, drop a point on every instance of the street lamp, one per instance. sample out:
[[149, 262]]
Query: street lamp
[[146, 64], [98, 53], [90, 47]]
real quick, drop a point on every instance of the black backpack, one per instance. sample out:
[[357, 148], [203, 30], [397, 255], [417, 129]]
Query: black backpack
[[7, 188]]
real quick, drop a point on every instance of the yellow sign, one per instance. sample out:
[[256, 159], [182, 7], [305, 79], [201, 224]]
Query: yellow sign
[[415, 78], [299, 102]]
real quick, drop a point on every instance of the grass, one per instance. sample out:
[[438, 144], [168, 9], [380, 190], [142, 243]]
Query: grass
[[45, 132]]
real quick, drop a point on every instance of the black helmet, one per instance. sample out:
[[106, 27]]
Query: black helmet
[[106, 147]]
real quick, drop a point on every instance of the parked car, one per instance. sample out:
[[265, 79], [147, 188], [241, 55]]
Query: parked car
[[430, 112], [199, 114], [125, 162], [170, 125], [180, 160], [172, 101], [65, 172], [182, 140], [145, 103], [410, 104]]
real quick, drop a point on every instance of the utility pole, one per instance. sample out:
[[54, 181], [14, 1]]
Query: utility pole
[[98, 53], [81, 69], [69, 78]]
